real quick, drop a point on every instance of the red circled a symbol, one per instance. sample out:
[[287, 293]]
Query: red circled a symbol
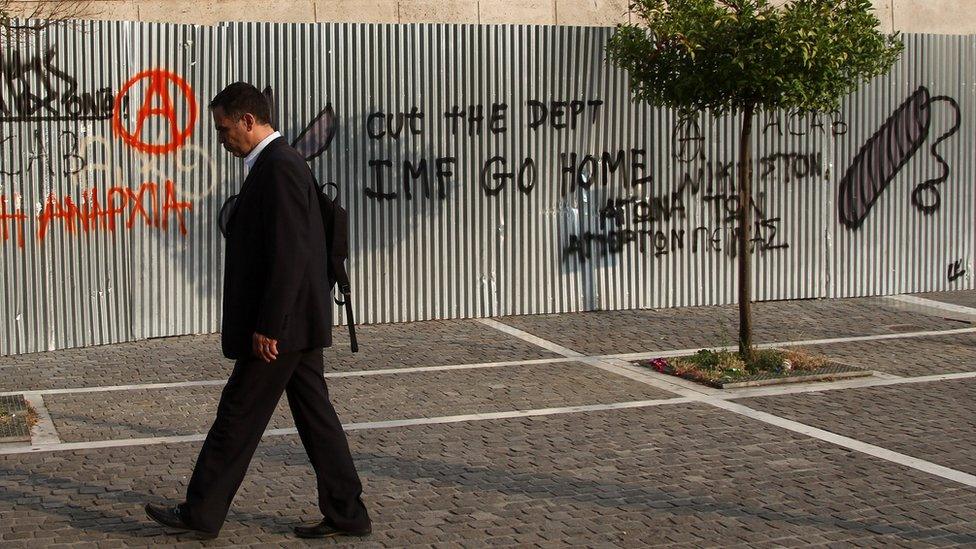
[[158, 90]]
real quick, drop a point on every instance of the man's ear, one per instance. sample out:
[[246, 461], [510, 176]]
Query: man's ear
[[249, 121]]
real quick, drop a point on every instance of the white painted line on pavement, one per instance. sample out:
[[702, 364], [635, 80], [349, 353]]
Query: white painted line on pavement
[[97, 444], [104, 388], [886, 375], [609, 364], [576, 356], [517, 414], [933, 304], [70, 446], [328, 375], [418, 369], [827, 341], [44, 431], [526, 336], [617, 365], [820, 386], [847, 442], [620, 364]]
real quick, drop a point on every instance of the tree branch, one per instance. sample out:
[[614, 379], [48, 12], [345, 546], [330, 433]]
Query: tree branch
[[33, 16]]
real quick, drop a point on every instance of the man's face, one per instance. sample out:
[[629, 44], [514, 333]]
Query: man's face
[[234, 134]]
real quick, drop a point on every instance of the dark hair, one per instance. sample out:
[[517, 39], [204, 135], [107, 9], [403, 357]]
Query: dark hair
[[240, 98]]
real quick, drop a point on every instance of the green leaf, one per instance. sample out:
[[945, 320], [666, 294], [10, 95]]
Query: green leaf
[[721, 56]]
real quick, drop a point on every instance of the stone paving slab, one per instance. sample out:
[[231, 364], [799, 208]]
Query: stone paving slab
[[195, 358], [909, 357], [182, 411], [966, 298], [667, 475], [634, 331], [934, 421]]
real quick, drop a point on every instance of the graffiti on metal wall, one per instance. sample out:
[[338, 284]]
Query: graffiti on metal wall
[[695, 209], [496, 173], [632, 209], [889, 150], [85, 160], [956, 270], [35, 88], [163, 91]]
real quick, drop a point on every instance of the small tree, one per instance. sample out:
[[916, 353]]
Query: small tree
[[740, 56]]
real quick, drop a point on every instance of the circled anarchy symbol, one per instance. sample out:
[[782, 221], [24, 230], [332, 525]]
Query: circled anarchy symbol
[[157, 102]]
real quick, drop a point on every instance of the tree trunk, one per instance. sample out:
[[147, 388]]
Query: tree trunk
[[745, 234]]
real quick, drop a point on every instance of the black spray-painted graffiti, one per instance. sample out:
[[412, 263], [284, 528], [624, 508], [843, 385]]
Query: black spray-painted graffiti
[[798, 124], [34, 88], [887, 152], [390, 182], [317, 135], [30, 153], [626, 221], [630, 220], [956, 271]]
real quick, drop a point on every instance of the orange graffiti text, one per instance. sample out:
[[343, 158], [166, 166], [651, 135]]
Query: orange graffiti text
[[121, 206], [12, 222]]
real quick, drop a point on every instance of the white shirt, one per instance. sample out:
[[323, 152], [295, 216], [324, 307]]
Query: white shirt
[[252, 156]]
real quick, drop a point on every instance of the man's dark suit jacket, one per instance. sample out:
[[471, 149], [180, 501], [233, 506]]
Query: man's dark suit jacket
[[275, 270]]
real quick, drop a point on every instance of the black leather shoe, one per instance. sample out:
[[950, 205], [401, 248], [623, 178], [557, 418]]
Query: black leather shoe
[[172, 517], [326, 530]]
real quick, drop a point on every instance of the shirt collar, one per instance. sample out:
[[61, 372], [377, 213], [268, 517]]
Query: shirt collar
[[252, 156]]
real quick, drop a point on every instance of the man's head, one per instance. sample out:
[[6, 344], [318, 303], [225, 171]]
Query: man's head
[[242, 117]]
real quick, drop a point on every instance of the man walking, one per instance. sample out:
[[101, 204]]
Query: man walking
[[277, 318]]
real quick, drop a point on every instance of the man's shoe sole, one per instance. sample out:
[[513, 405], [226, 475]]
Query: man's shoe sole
[[198, 533]]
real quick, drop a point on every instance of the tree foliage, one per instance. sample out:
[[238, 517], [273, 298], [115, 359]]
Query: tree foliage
[[741, 56], [722, 55]]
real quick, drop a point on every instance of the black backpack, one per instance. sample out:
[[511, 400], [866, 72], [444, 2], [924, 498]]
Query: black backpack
[[335, 219]]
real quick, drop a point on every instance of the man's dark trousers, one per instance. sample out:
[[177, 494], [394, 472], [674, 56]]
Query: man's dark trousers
[[246, 405]]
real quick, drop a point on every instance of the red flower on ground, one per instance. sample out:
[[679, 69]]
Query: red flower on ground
[[660, 364]]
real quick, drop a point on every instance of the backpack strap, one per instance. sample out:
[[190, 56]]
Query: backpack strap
[[337, 257]]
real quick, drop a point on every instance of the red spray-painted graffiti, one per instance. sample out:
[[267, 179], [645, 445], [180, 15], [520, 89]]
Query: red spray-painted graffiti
[[157, 101], [13, 221], [116, 207]]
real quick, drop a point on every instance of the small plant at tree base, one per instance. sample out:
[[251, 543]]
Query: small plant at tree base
[[712, 367], [9, 416], [741, 56]]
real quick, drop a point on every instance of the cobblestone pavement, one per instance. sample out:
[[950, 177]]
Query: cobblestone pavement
[[934, 421], [142, 413], [966, 299], [612, 332], [917, 356], [540, 450], [195, 358]]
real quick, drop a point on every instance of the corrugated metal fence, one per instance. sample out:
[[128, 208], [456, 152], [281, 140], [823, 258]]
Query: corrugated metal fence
[[488, 170]]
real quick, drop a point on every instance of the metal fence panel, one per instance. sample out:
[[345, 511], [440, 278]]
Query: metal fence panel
[[488, 170]]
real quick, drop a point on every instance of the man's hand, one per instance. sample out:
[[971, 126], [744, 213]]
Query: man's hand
[[264, 348]]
